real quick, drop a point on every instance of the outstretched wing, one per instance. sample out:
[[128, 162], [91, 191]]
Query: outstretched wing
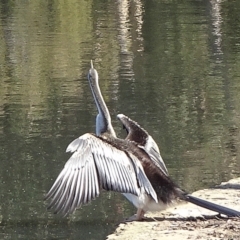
[[152, 150], [95, 164], [139, 135]]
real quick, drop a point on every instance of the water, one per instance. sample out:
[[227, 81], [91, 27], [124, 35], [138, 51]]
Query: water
[[172, 66]]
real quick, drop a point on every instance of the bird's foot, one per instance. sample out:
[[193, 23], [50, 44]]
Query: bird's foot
[[137, 217], [133, 218]]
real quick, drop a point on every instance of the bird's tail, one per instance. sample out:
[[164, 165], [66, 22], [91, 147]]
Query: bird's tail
[[212, 206]]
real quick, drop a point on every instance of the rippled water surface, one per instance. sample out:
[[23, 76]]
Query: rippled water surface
[[173, 66]]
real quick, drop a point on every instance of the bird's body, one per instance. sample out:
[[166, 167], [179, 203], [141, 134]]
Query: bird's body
[[132, 166], [168, 193], [99, 161], [144, 141]]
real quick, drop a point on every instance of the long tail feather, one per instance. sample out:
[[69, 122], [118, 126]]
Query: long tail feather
[[212, 206]]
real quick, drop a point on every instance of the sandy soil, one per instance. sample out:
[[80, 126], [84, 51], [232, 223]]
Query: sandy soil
[[187, 221]]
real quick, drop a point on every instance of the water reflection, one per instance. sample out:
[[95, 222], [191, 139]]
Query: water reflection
[[55, 230], [174, 67]]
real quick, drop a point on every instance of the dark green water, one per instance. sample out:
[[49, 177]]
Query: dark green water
[[173, 66]]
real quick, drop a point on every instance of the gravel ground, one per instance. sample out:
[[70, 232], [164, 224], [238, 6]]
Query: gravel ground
[[187, 221]]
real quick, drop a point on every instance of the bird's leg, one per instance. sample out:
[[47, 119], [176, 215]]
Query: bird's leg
[[138, 216]]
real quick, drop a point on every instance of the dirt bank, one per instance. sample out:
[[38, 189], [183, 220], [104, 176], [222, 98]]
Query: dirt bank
[[187, 221]]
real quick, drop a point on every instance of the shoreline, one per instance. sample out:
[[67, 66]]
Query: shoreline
[[188, 221]]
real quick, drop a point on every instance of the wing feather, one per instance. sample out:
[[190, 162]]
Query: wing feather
[[64, 198], [95, 164], [86, 185], [143, 180], [152, 149], [71, 193]]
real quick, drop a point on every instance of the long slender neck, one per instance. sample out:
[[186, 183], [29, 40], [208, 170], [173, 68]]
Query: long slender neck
[[103, 120]]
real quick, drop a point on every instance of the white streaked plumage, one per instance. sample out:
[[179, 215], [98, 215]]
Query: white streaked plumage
[[139, 135], [167, 191], [96, 164], [130, 166]]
